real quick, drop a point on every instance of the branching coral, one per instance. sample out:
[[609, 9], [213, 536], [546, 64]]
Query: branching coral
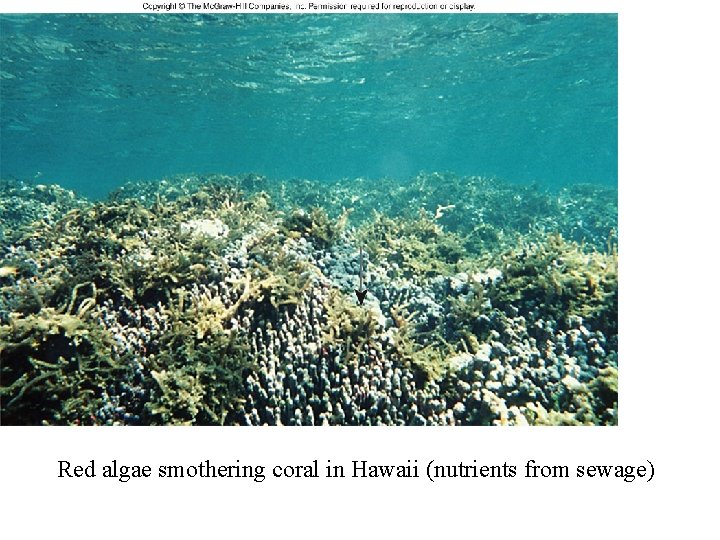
[[182, 301]]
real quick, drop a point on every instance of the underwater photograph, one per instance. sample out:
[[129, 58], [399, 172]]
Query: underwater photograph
[[309, 220]]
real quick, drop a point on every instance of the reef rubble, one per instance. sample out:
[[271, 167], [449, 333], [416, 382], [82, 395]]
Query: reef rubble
[[220, 300]]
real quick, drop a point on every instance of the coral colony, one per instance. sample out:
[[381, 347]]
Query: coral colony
[[231, 301]]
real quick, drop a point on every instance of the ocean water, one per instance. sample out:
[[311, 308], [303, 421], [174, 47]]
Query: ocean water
[[92, 101], [327, 220]]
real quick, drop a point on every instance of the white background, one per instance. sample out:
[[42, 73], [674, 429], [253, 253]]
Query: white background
[[669, 358]]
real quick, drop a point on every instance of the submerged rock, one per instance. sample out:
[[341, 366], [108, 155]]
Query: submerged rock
[[212, 228]]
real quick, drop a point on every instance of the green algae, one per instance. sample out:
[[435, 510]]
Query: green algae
[[575, 403], [464, 314], [605, 389], [179, 397], [418, 248], [197, 380], [557, 279], [141, 252], [133, 254], [425, 351], [486, 213], [428, 362], [567, 408], [199, 365], [278, 276], [348, 324], [55, 365], [315, 225]]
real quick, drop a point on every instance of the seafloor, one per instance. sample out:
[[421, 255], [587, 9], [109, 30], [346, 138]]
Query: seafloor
[[230, 300]]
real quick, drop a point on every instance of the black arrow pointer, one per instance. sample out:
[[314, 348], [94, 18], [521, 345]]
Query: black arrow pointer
[[360, 293]]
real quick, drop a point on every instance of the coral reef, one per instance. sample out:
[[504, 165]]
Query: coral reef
[[224, 300]]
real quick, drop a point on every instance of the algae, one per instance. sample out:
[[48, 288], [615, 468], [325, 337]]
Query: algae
[[54, 366], [418, 248], [164, 246], [556, 279]]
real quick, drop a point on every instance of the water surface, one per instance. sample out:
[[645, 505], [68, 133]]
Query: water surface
[[90, 101]]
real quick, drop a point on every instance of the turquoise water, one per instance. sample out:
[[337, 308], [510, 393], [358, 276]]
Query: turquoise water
[[90, 101]]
